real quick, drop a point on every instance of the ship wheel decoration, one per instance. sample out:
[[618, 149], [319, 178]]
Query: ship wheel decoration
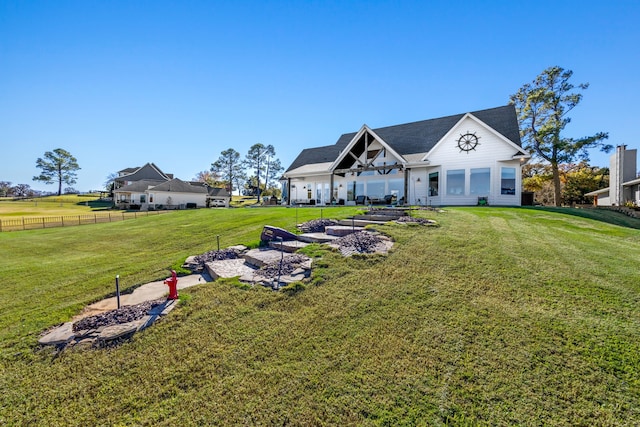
[[467, 142]]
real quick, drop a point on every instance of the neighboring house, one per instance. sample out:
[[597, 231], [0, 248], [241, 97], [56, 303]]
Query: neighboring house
[[466, 159], [148, 188], [216, 197], [624, 183]]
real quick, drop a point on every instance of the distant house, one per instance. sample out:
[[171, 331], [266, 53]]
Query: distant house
[[148, 188], [216, 197], [466, 159], [624, 184]]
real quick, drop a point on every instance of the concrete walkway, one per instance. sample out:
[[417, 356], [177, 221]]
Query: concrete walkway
[[148, 292]]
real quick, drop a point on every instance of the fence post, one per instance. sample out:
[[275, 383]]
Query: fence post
[[62, 217], [43, 222], [95, 218], [109, 216], [0, 226], [78, 219], [23, 224]]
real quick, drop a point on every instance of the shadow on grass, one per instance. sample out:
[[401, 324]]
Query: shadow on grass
[[96, 204], [603, 215]]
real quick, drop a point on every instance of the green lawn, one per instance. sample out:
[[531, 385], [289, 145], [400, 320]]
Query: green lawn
[[497, 317], [69, 204]]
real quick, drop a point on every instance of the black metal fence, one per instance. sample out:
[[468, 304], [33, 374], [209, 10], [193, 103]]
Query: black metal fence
[[32, 222]]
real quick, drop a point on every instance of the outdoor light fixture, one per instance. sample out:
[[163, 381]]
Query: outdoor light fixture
[[418, 180]]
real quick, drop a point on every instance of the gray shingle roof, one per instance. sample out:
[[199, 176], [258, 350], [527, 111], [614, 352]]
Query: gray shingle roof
[[417, 137], [148, 171], [218, 192], [138, 186], [179, 186]]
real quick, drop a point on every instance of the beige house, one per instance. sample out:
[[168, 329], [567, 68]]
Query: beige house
[[148, 188]]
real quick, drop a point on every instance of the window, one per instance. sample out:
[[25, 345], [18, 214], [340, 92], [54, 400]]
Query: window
[[351, 191], [375, 189], [508, 181], [455, 182], [396, 187], [143, 198], [433, 183], [480, 181], [359, 189], [151, 198]]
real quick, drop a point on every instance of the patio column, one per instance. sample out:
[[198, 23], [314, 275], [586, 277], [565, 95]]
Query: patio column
[[330, 190], [406, 186]]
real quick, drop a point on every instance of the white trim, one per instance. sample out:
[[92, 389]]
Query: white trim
[[355, 139], [447, 135]]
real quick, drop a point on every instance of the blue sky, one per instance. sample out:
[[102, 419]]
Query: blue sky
[[119, 84]]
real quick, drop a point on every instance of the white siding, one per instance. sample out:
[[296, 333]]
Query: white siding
[[492, 152], [177, 199]]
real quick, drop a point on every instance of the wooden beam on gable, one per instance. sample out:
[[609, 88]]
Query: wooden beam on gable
[[369, 168]]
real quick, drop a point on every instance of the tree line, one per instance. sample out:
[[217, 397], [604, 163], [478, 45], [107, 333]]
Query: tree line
[[255, 175]]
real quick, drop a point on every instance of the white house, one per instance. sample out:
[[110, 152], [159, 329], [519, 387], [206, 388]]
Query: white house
[[465, 159], [624, 183], [147, 187], [150, 195]]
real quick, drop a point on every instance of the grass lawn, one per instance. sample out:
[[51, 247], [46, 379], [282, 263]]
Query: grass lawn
[[71, 204], [497, 317]]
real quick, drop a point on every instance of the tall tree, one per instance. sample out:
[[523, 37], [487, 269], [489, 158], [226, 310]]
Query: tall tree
[[22, 190], [229, 167], [57, 166], [581, 179], [274, 170], [5, 188], [542, 108], [110, 183], [256, 160], [212, 179]]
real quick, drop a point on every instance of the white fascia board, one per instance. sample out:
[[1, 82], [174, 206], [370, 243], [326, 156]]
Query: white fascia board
[[485, 126], [355, 139], [597, 192], [630, 183], [308, 170]]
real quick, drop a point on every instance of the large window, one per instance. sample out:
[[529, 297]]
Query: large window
[[351, 191], [143, 198], [433, 183], [359, 189], [480, 182], [375, 189], [455, 182], [396, 187], [508, 181]]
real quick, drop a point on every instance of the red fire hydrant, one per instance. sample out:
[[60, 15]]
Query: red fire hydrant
[[173, 285]]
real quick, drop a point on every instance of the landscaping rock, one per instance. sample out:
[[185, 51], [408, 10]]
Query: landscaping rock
[[414, 220], [121, 315], [362, 242], [59, 336], [117, 331], [228, 268], [316, 225]]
